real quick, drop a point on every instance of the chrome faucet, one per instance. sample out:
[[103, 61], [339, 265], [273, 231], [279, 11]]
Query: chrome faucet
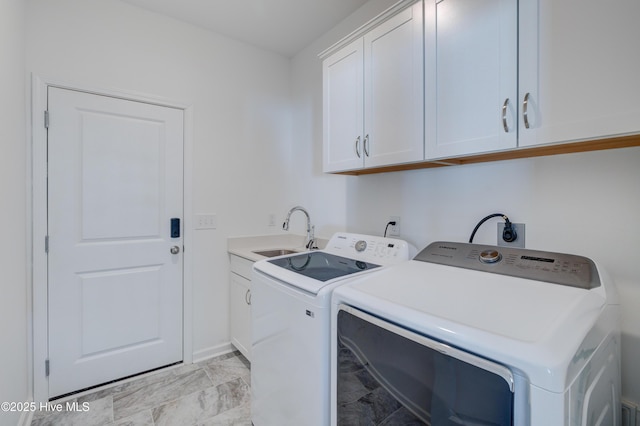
[[310, 228]]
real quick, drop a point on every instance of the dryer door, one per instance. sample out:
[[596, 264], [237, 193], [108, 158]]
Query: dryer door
[[385, 372]]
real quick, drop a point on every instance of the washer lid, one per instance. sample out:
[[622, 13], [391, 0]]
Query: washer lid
[[302, 279], [533, 326], [345, 255], [321, 266]]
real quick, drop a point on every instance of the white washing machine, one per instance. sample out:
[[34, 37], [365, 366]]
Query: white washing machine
[[467, 334], [290, 307]]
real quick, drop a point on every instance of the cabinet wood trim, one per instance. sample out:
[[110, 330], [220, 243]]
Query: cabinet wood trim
[[539, 151]]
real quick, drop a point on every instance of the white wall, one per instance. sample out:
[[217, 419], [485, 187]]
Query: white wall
[[585, 203], [13, 256], [241, 125]]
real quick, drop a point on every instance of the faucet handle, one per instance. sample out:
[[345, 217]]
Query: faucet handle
[[311, 244]]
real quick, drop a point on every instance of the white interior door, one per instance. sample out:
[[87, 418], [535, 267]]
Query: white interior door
[[115, 180]]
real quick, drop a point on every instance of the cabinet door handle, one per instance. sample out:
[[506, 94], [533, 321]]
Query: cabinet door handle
[[366, 145], [358, 146], [504, 115], [247, 297], [525, 105]]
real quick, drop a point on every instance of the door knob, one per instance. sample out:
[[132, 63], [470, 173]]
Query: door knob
[[175, 250]]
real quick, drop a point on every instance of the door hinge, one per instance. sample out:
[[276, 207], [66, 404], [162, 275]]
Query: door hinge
[[46, 367], [46, 244], [46, 119]]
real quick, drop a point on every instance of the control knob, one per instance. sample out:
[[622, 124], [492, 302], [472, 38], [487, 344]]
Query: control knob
[[490, 256], [361, 246]]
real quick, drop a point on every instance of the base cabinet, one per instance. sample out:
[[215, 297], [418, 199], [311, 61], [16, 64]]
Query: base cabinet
[[240, 304]]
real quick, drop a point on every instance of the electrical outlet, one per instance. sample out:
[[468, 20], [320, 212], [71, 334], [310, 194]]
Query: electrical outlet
[[519, 242], [394, 230], [206, 221], [272, 219]]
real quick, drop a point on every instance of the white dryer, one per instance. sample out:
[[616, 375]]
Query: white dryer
[[468, 334], [290, 309]]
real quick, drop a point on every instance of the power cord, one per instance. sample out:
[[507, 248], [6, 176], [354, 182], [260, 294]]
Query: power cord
[[392, 223], [508, 234]]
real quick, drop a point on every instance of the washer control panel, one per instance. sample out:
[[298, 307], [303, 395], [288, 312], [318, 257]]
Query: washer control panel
[[556, 268], [369, 248]]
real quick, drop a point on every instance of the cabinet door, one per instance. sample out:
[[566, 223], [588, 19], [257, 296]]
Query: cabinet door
[[240, 314], [471, 72], [343, 143], [394, 94], [579, 68]]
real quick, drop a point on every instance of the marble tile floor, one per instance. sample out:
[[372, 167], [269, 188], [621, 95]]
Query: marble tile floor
[[212, 392]]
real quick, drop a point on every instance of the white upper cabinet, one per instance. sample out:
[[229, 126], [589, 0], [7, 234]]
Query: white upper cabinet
[[394, 90], [343, 109], [373, 97], [579, 70], [448, 81], [471, 70]]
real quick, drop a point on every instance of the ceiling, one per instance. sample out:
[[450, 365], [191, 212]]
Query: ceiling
[[282, 26]]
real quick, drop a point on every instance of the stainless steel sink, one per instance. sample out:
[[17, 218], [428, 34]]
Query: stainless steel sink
[[274, 252]]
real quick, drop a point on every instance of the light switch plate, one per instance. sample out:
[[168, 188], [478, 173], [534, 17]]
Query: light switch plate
[[206, 221]]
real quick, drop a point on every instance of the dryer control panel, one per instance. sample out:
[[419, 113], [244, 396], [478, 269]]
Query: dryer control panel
[[556, 268]]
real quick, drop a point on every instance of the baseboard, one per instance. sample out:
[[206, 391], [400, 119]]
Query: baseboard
[[629, 413], [212, 352]]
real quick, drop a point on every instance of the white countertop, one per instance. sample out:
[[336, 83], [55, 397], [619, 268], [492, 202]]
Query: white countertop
[[245, 246]]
